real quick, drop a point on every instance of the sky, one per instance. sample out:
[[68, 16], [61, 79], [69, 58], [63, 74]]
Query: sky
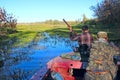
[[42, 10]]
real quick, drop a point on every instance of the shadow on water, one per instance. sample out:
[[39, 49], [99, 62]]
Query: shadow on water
[[20, 63]]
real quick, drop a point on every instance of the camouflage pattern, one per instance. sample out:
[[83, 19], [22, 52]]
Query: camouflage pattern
[[102, 34], [72, 56], [101, 60]]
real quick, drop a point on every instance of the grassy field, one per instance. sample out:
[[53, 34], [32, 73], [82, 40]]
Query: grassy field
[[28, 32]]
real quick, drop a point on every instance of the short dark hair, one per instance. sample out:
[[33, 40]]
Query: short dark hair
[[85, 27]]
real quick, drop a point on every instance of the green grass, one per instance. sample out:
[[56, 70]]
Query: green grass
[[53, 29], [23, 37], [28, 32]]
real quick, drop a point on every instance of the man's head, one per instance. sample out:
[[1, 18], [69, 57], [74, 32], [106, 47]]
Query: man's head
[[84, 28]]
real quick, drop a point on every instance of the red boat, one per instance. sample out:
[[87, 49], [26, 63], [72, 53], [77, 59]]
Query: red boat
[[66, 67], [61, 68]]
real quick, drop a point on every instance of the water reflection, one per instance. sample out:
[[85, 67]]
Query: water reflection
[[20, 63]]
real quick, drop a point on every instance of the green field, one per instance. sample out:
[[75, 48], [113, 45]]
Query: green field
[[27, 32]]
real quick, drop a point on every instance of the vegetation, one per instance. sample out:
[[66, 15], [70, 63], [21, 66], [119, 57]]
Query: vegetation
[[7, 23], [20, 34], [108, 11], [108, 17]]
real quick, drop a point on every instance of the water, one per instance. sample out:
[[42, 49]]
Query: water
[[20, 63]]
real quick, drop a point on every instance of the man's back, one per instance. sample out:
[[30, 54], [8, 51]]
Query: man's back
[[101, 61], [86, 38]]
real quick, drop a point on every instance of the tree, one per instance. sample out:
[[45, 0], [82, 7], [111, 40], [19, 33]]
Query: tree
[[2, 16], [84, 18], [108, 11], [7, 20]]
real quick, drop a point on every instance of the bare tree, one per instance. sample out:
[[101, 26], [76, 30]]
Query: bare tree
[[2, 17], [7, 21], [7, 18]]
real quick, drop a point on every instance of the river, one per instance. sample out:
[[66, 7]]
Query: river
[[20, 63]]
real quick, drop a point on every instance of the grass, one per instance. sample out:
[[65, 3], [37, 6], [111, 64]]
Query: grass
[[23, 37], [28, 32]]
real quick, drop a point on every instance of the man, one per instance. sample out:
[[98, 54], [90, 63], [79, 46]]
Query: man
[[101, 65], [84, 39]]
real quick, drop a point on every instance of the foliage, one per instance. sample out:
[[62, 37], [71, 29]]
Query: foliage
[[108, 18], [84, 18], [108, 11], [7, 22]]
